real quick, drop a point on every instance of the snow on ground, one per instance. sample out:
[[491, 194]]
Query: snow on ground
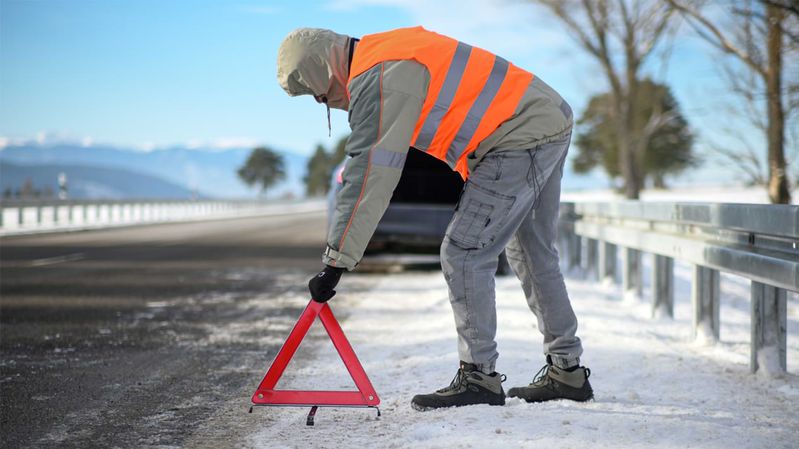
[[654, 387]]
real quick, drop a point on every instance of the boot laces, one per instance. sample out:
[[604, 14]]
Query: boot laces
[[541, 378], [460, 379], [457, 382]]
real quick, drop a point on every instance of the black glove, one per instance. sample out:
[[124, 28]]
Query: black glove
[[322, 285]]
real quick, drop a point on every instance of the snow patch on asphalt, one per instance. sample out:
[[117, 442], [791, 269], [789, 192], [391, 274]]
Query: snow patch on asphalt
[[654, 386]]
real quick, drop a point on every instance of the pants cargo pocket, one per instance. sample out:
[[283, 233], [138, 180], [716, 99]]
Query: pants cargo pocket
[[481, 213]]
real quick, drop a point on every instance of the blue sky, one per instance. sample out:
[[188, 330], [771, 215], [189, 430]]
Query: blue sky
[[159, 73], [147, 73]]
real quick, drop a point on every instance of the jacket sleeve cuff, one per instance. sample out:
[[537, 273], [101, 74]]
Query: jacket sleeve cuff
[[336, 259]]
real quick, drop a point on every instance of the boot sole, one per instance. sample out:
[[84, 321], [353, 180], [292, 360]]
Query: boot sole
[[422, 408], [530, 401]]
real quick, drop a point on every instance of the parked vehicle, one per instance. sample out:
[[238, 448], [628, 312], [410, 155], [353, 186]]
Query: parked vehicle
[[420, 209]]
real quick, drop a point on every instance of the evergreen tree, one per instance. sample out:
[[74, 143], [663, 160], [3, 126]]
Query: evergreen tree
[[263, 167], [321, 165], [668, 150], [339, 152], [317, 178]]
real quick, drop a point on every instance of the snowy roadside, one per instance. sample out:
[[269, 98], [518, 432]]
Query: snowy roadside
[[654, 388]]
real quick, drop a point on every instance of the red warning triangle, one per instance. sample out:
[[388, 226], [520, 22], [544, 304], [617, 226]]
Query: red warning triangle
[[266, 393]]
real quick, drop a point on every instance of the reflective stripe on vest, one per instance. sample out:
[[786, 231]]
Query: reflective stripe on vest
[[445, 95], [479, 107], [471, 91]]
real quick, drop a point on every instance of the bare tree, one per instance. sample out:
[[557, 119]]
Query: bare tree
[[759, 34], [621, 35], [791, 8]]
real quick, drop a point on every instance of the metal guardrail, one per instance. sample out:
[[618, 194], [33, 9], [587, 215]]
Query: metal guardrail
[[21, 217], [756, 241]]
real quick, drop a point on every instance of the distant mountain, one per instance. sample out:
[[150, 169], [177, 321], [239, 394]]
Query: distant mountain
[[210, 172], [86, 182]]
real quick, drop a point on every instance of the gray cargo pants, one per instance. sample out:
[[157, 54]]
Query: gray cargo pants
[[510, 202]]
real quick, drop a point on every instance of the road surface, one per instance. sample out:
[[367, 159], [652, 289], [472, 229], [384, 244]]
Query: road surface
[[145, 336]]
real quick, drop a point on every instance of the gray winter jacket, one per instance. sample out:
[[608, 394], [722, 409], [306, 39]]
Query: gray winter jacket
[[384, 105]]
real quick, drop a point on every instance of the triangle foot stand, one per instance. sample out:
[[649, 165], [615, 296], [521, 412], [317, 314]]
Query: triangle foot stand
[[266, 395]]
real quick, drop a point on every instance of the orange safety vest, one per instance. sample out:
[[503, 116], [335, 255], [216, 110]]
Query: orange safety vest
[[471, 91]]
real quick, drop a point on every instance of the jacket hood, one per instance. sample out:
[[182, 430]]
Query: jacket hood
[[313, 61]]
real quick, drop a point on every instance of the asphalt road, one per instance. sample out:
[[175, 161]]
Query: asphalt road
[[150, 336]]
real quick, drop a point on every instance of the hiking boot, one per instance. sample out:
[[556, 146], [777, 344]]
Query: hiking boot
[[556, 383], [470, 386]]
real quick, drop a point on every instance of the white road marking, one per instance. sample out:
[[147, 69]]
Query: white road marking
[[58, 259]]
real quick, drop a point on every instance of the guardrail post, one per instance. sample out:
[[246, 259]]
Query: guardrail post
[[769, 326], [77, 215], [663, 286], [30, 217], [575, 250], [592, 255], [607, 262], [11, 218], [116, 213], [62, 215], [705, 301], [126, 214], [92, 214], [103, 213], [631, 276], [47, 216]]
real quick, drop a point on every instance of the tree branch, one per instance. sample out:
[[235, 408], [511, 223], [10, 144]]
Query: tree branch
[[718, 40], [557, 7], [792, 6]]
